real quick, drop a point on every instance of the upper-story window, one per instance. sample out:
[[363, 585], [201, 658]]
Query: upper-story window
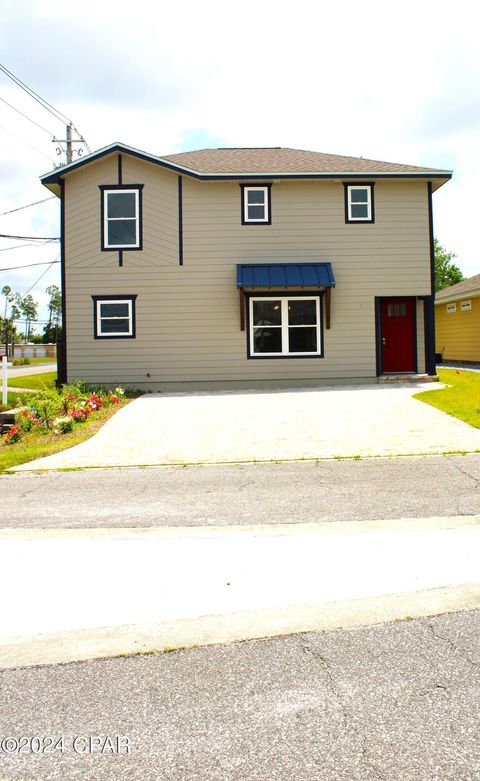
[[121, 217], [359, 203], [256, 204]]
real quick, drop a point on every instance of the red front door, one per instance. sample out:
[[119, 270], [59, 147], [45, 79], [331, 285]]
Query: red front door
[[398, 334]]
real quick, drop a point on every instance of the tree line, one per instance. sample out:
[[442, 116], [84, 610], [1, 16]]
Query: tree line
[[24, 309]]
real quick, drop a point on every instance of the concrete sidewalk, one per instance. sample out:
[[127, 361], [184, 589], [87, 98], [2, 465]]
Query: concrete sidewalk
[[281, 425], [145, 589]]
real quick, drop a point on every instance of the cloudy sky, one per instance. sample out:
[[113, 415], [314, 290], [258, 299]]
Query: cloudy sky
[[396, 82]]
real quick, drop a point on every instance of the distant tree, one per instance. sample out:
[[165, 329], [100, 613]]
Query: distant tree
[[8, 331], [7, 292], [28, 308], [446, 272], [51, 330]]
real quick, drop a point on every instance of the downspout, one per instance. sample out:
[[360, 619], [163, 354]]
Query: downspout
[[429, 301]]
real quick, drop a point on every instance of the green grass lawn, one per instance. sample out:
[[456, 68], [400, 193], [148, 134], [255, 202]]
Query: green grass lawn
[[34, 381], [461, 398], [38, 361]]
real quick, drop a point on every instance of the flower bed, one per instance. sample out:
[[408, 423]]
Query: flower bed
[[59, 411]]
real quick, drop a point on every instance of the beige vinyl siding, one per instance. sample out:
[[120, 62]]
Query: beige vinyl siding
[[421, 368], [188, 318], [458, 333]]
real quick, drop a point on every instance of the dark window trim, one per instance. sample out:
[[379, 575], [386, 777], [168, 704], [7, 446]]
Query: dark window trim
[[118, 297], [126, 248], [346, 185], [180, 221], [257, 186], [259, 293]]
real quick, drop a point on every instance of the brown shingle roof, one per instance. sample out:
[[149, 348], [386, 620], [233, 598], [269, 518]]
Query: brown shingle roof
[[270, 160], [465, 286]]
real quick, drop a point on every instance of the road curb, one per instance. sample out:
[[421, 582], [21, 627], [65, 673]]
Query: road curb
[[434, 523], [107, 642]]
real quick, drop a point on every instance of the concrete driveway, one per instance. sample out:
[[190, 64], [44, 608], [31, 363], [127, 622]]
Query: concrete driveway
[[229, 427]]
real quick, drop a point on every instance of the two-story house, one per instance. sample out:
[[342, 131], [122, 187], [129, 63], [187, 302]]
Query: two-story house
[[245, 267]]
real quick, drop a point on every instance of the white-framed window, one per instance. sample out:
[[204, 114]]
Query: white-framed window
[[255, 204], [114, 317], [359, 203], [284, 326], [121, 216], [466, 306], [451, 308]]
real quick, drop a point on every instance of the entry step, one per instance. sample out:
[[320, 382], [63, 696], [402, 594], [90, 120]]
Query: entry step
[[398, 378]]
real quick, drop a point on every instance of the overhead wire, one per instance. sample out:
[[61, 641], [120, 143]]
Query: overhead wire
[[35, 203], [42, 275], [30, 244], [55, 112], [29, 238], [46, 105], [14, 135], [30, 265], [26, 117]]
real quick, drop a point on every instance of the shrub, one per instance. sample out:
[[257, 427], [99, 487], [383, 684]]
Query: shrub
[[27, 419], [21, 361], [64, 425], [79, 414], [13, 435], [45, 405]]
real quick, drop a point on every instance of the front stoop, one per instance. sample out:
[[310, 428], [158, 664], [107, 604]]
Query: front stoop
[[398, 378]]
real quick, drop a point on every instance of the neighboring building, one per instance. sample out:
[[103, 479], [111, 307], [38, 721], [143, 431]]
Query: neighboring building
[[457, 319], [215, 268]]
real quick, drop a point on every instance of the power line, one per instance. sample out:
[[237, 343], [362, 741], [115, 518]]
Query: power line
[[26, 117], [32, 322], [30, 265], [35, 203], [41, 275], [33, 238], [26, 143], [59, 115], [44, 103], [30, 244]]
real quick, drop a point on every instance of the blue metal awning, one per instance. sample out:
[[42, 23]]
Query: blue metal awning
[[287, 275]]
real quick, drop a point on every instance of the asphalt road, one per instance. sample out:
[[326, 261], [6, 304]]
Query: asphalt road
[[388, 702], [25, 371], [301, 492]]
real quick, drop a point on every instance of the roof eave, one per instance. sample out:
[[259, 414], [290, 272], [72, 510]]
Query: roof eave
[[457, 296], [54, 177]]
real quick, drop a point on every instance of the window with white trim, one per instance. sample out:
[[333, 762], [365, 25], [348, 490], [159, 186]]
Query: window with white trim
[[256, 204], [114, 317], [121, 218], [359, 203], [284, 326]]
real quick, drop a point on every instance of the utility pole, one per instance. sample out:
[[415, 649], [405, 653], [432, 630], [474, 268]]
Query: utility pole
[[69, 143]]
